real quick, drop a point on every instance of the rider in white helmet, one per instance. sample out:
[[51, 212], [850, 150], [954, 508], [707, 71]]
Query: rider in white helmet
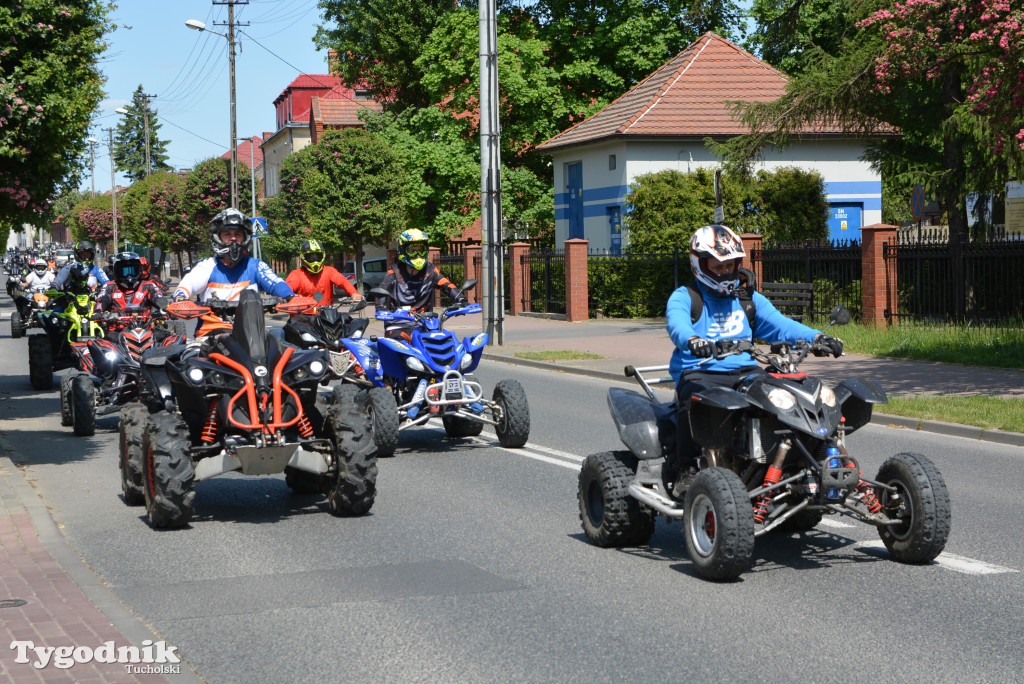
[[716, 254]]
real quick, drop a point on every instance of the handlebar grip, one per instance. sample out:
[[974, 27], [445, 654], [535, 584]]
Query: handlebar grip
[[629, 371]]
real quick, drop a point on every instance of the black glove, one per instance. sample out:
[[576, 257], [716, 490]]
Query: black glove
[[700, 347], [834, 344], [462, 300], [180, 298]]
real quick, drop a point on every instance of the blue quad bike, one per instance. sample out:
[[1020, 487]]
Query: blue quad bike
[[426, 374]]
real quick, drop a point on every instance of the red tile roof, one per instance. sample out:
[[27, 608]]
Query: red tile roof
[[341, 111], [310, 81], [243, 151], [687, 97]]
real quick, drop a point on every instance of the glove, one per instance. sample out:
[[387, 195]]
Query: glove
[[462, 300], [180, 298], [834, 344], [700, 347]]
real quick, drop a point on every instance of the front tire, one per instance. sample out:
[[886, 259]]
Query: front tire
[[130, 427], [17, 328], [514, 427], [718, 524], [354, 478], [344, 393], [610, 516], [454, 426], [921, 500], [65, 399], [383, 412], [40, 362], [83, 405], [169, 477]]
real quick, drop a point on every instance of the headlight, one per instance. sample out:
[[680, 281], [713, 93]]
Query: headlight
[[782, 399], [414, 364], [316, 367], [828, 396], [299, 373], [195, 374], [112, 356], [466, 361], [306, 337]]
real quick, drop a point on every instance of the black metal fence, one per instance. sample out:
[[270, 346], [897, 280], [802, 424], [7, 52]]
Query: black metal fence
[[960, 281], [546, 281], [834, 268]]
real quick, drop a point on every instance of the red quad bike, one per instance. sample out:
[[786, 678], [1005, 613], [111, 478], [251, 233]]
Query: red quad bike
[[108, 369], [242, 402], [773, 457]]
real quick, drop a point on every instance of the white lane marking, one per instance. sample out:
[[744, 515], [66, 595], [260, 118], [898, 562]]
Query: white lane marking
[[837, 524], [541, 453], [951, 561]]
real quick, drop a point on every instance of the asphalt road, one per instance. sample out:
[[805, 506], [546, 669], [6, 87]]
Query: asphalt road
[[472, 566]]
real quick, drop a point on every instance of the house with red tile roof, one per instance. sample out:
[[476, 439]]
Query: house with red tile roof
[[661, 123], [251, 154], [339, 108]]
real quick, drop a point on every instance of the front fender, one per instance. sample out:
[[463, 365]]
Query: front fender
[[365, 353], [475, 347], [857, 398], [392, 357], [647, 428]]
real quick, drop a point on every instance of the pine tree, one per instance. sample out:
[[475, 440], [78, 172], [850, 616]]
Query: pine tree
[[130, 141]]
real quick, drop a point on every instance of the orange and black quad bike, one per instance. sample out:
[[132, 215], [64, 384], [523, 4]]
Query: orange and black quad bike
[[241, 401]]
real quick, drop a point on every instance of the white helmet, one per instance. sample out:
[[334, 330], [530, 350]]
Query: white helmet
[[39, 266], [719, 243]]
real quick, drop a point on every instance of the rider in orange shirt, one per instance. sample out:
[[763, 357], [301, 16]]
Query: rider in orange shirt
[[314, 276]]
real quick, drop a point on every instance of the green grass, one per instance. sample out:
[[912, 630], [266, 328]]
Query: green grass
[[557, 355], [1001, 347], [984, 412]]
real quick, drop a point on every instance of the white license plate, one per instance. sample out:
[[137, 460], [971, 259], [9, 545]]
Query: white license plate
[[453, 388]]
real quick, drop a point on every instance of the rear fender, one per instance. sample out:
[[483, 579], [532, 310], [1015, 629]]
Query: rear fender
[[857, 397], [647, 428]]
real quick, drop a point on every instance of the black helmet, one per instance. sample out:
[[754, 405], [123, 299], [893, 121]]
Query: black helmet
[[85, 252], [78, 282], [230, 218], [127, 268]]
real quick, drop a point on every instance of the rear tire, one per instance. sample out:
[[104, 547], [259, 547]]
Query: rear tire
[[17, 328], [354, 480], [514, 427], [922, 501], [65, 399], [804, 521], [302, 482], [40, 362], [383, 412], [169, 477], [83, 405], [130, 427], [455, 426], [718, 524], [610, 516]]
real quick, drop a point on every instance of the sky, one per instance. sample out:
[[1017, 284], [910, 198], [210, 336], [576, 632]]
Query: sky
[[187, 70]]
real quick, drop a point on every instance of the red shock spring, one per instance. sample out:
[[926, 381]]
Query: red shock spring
[[867, 493], [305, 427], [764, 501], [210, 428]]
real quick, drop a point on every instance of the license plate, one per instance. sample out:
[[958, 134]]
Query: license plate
[[453, 388]]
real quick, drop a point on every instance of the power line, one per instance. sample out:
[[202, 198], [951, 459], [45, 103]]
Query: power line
[[165, 120]]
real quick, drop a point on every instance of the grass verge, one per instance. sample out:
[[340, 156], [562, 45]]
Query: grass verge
[[984, 412], [557, 355]]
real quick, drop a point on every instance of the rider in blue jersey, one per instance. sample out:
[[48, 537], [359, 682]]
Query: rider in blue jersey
[[231, 270], [84, 254]]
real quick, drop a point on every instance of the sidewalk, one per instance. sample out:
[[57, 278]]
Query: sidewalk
[[646, 343]]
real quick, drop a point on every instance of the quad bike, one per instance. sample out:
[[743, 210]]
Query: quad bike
[[325, 329], [238, 401], [107, 375], [773, 457], [26, 306], [429, 377], [52, 351]]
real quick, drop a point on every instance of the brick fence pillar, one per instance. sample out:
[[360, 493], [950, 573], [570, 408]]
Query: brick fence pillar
[[519, 277], [434, 257], [878, 284], [752, 242], [472, 256], [577, 291], [392, 256]]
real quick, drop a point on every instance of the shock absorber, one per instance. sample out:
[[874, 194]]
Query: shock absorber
[[867, 493], [772, 477], [210, 428], [305, 427]]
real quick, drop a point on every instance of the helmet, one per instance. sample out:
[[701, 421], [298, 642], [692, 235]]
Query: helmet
[[721, 244], [230, 218], [78, 282], [85, 252], [39, 266], [412, 248], [127, 268], [145, 267], [312, 255]]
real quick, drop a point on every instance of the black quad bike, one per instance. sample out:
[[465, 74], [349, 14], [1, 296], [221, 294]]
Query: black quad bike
[[325, 330], [242, 402], [773, 457]]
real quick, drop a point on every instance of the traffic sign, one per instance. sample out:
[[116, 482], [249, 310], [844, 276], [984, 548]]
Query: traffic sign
[[259, 226], [917, 202]]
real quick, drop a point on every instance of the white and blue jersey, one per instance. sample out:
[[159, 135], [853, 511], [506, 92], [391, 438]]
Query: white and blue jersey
[[96, 276], [211, 279], [723, 318]]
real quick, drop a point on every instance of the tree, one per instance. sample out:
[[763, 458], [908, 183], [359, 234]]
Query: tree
[[130, 141], [789, 34], [208, 191], [49, 89], [945, 73], [154, 213], [347, 190], [93, 219]]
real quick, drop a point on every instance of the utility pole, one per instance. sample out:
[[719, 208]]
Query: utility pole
[[113, 185], [490, 176], [231, 63], [145, 123], [92, 163]]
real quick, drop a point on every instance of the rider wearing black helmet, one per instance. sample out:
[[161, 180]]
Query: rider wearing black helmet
[[126, 291], [85, 252]]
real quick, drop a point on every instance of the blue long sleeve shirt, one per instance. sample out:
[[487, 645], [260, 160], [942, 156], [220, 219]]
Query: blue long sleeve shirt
[[723, 318]]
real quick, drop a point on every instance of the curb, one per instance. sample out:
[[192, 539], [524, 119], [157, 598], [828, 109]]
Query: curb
[[885, 419]]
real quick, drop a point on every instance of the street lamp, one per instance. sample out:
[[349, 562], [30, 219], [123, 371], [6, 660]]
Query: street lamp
[[197, 25], [252, 179]]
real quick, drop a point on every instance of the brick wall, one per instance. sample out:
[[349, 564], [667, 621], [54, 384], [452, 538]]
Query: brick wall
[[577, 288]]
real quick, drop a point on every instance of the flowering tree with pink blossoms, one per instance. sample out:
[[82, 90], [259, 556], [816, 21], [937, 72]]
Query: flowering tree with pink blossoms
[[93, 219]]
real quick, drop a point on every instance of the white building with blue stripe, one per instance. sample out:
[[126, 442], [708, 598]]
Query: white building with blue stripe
[[662, 123]]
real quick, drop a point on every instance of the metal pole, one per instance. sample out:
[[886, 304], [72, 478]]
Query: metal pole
[[234, 130], [252, 178], [113, 186], [145, 121], [490, 176], [92, 165]]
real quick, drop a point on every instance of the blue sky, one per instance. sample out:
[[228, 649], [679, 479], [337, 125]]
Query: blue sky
[[188, 71]]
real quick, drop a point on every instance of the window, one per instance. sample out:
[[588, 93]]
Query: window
[[611, 162]]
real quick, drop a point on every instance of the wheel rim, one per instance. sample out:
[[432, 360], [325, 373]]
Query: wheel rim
[[703, 525], [903, 509], [595, 503], [502, 424]]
